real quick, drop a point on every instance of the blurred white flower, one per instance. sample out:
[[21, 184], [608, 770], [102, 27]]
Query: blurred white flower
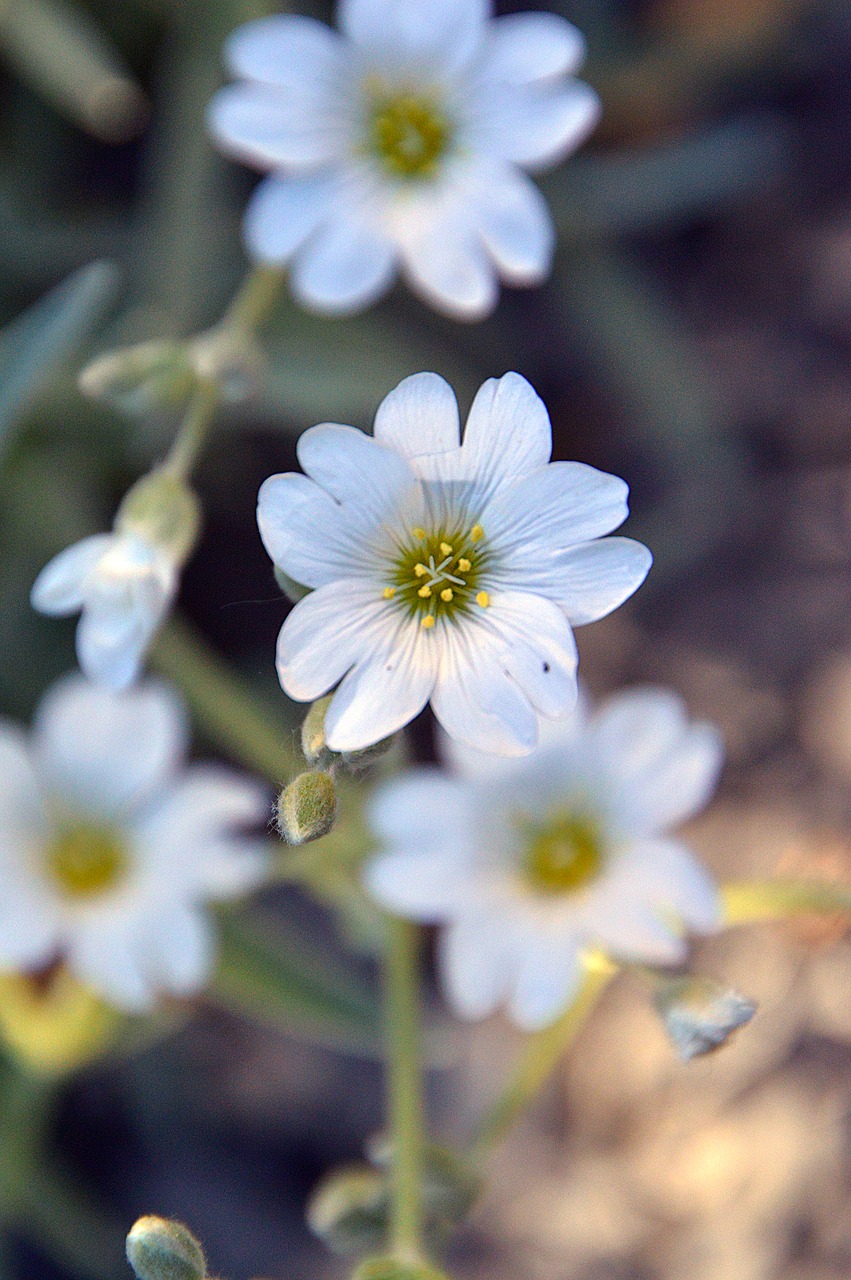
[[444, 571], [530, 864], [109, 845], [400, 143], [125, 581]]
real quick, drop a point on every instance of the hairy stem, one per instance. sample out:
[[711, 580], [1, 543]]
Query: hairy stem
[[405, 1093]]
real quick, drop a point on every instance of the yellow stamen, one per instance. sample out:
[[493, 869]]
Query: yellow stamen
[[476, 533], [446, 594], [445, 549], [427, 621], [464, 564], [389, 593], [420, 570], [418, 532], [424, 593], [483, 599]]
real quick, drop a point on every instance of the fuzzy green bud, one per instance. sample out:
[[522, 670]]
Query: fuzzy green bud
[[307, 808], [231, 359], [162, 509], [700, 1014], [350, 1210], [159, 1249], [140, 379]]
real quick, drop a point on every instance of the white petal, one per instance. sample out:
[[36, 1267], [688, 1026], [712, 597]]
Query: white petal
[[420, 416], [386, 690], [548, 979], [507, 435], [284, 212], [475, 699], [667, 876], [286, 50], [664, 767], [523, 48], [344, 267], [60, 587], [443, 33], [304, 530], [370, 480], [630, 930], [21, 803], [538, 126], [179, 953], [111, 642], [538, 650], [475, 958], [557, 506], [420, 886], [592, 580], [204, 805], [329, 631], [422, 806], [29, 925], [516, 227], [451, 272], [269, 128], [109, 955], [108, 752]]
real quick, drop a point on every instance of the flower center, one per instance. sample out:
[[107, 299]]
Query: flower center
[[85, 860], [408, 134], [563, 854], [439, 574]]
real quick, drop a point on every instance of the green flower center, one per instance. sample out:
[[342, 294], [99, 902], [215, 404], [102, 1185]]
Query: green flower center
[[408, 134], [563, 855], [85, 860], [438, 575]]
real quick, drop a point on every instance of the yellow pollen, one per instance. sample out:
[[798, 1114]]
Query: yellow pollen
[[464, 564], [483, 599], [476, 533], [418, 532], [445, 549], [424, 593], [446, 594], [389, 593], [420, 570], [427, 621]]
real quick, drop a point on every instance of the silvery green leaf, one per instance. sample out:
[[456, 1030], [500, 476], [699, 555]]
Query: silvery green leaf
[[700, 1014]]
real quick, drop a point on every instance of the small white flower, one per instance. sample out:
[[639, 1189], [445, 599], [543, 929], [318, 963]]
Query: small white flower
[[530, 864], [444, 571], [400, 143], [109, 846]]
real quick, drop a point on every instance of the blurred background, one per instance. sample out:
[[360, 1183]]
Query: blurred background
[[694, 338]]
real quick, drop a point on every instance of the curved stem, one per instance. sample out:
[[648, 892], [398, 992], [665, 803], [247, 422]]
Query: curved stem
[[405, 1100], [748, 901], [540, 1058]]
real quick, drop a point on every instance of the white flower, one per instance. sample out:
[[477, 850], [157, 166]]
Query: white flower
[[530, 864], [400, 143], [444, 571], [109, 846]]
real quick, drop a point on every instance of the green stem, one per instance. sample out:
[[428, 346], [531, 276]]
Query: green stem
[[540, 1057], [26, 1109], [193, 431], [405, 1097], [748, 901], [255, 300]]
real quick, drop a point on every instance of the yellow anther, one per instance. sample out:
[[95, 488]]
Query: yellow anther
[[389, 593], [418, 532], [427, 621], [476, 533], [424, 592], [446, 594], [464, 564], [445, 549], [420, 570], [483, 599]]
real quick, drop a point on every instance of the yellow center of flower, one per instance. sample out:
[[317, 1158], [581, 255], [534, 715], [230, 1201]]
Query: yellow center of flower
[[563, 854], [408, 134], [86, 860], [438, 574]]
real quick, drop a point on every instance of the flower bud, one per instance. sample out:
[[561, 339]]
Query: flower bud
[[159, 1249], [294, 591], [350, 1210], [162, 509], [231, 359], [700, 1014], [307, 808], [390, 1268], [149, 376], [450, 1184], [355, 761], [313, 733]]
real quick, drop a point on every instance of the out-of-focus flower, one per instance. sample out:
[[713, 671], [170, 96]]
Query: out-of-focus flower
[[400, 143], [444, 571], [530, 864], [109, 847], [125, 581]]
